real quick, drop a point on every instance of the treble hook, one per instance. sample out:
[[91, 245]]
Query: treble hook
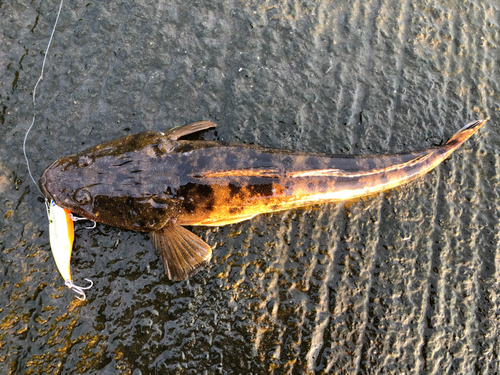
[[75, 218], [79, 290]]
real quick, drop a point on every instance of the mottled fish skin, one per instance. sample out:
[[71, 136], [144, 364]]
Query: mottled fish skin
[[272, 180], [143, 181]]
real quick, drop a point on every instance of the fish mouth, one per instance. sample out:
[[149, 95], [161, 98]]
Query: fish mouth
[[44, 181], [42, 184]]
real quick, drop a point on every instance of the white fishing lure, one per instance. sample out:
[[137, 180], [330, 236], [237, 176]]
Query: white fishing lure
[[61, 232]]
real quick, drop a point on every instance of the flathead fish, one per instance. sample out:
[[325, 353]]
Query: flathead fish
[[157, 182]]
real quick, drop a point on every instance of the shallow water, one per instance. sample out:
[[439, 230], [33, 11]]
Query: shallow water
[[404, 281]]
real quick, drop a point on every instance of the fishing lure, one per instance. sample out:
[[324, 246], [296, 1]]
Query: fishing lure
[[62, 234]]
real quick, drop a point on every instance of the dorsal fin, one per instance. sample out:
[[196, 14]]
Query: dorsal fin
[[180, 131]]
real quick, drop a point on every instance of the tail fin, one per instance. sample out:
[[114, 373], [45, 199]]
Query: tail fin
[[463, 134]]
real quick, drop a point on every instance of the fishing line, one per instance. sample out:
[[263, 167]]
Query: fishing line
[[34, 105], [79, 290]]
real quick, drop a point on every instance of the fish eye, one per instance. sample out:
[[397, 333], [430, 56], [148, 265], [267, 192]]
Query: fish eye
[[84, 161], [82, 196]]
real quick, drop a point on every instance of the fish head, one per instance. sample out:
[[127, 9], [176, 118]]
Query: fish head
[[104, 183], [66, 182]]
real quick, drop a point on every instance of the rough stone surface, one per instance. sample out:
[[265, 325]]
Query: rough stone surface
[[401, 282]]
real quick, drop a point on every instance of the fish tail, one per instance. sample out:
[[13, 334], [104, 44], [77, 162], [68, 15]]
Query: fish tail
[[463, 134]]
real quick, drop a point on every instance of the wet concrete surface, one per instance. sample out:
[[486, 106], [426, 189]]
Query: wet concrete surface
[[401, 282]]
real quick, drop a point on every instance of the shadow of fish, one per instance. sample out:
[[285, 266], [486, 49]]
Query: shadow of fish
[[156, 182]]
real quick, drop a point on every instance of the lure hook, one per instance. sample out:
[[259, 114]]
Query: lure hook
[[93, 226], [79, 290], [76, 218]]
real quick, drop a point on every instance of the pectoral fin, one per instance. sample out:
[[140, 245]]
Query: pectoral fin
[[180, 131], [183, 253]]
